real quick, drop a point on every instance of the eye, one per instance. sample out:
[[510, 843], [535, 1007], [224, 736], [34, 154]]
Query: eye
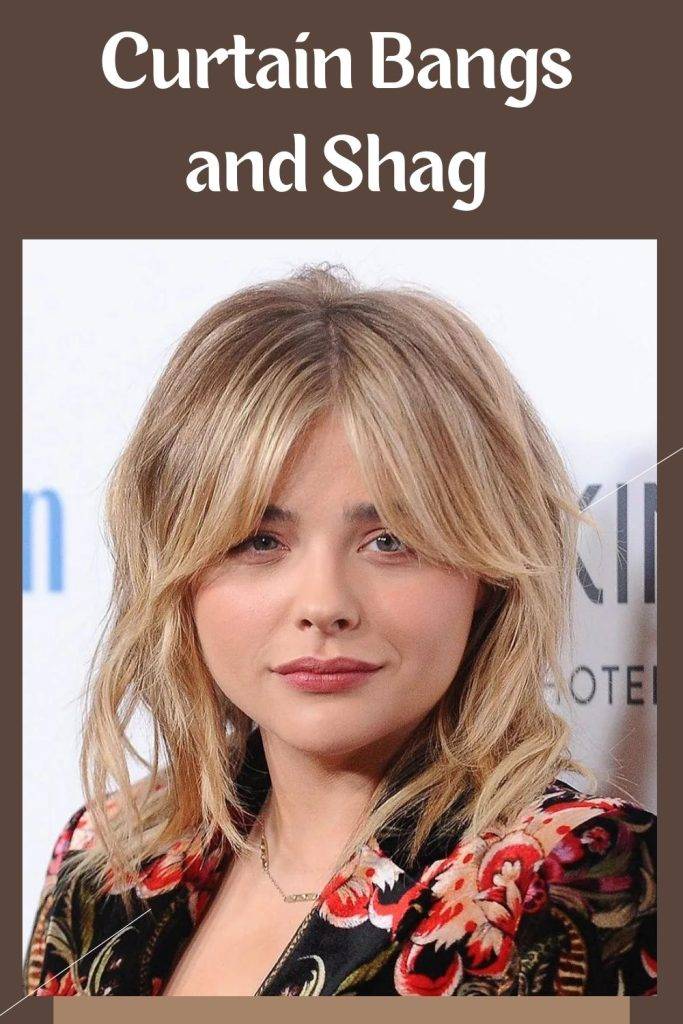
[[381, 538], [246, 544], [253, 544]]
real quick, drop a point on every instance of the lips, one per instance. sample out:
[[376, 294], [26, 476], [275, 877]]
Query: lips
[[320, 666], [332, 675]]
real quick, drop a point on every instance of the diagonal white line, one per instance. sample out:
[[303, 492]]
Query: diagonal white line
[[68, 968], [653, 466], [596, 502]]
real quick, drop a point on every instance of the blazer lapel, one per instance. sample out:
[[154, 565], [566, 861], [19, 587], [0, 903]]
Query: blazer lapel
[[353, 930], [362, 915]]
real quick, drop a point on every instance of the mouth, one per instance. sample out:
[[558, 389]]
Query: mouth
[[326, 676], [318, 665], [327, 682]]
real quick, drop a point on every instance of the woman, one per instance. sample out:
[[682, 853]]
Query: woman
[[344, 548]]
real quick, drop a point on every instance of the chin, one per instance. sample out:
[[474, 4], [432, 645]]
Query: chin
[[327, 732]]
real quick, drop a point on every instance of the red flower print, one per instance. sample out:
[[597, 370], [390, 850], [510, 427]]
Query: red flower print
[[536, 895], [552, 823], [60, 848], [160, 874], [346, 898], [84, 833], [201, 876], [480, 892], [410, 981], [569, 850], [58, 985], [597, 839], [480, 889], [199, 869], [389, 915]]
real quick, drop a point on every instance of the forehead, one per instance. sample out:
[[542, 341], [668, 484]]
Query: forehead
[[322, 472]]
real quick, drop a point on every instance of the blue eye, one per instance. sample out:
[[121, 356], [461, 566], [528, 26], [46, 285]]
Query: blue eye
[[395, 539]]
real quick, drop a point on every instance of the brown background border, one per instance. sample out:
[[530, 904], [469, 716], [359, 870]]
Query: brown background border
[[596, 160]]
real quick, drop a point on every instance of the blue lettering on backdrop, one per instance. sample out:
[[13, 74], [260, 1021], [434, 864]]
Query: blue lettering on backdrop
[[55, 538]]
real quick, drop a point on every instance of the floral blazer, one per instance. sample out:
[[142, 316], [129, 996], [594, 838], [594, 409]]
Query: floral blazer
[[561, 903]]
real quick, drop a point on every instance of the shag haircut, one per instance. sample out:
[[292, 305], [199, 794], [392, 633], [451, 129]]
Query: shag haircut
[[460, 467]]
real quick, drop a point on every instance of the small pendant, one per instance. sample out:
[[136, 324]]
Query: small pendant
[[297, 897]]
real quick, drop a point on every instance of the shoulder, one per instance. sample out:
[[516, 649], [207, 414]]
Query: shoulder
[[188, 859], [564, 823], [564, 812], [592, 898], [34, 959], [561, 901], [79, 831], [77, 834]]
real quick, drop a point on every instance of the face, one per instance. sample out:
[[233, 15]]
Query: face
[[323, 585]]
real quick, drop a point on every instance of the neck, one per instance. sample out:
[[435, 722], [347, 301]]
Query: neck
[[315, 804]]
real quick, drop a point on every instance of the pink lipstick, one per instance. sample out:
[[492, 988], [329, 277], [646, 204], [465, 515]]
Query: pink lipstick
[[326, 676]]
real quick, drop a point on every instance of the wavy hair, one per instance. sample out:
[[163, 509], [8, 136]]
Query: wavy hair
[[459, 466]]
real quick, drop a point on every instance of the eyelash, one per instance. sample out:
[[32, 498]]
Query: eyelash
[[243, 546]]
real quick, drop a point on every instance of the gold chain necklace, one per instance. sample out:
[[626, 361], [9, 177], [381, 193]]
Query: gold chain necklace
[[295, 897]]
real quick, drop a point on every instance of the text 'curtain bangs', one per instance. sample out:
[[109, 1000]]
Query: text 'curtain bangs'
[[459, 466]]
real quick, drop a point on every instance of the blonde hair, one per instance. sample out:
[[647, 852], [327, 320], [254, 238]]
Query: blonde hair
[[460, 468]]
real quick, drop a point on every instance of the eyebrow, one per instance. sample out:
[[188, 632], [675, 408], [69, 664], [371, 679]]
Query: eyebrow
[[362, 512]]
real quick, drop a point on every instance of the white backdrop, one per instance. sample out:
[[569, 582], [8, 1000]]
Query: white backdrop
[[576, 322]]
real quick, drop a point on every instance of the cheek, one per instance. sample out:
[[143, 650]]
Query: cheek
[[221, 621], [436, 616]]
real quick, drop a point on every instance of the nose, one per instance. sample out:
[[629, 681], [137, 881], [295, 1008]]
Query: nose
[[326, 622], [324, 599]]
